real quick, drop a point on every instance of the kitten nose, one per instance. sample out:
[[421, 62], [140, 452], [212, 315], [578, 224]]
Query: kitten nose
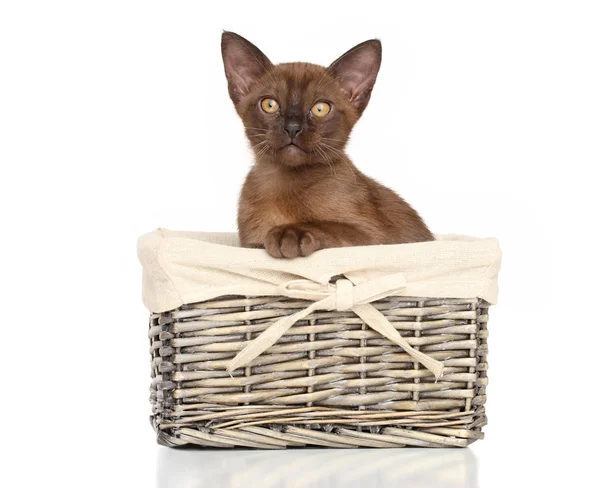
[[292, 127]]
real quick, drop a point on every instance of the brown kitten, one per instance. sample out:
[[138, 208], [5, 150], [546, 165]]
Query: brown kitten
[[303, 192]]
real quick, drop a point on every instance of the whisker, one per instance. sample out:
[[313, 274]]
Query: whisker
[[343, 158], [334, 149], [261, 149], [331, 139], [257, 145], [322, 79], [340, 154], [328, 160], [318, 150]]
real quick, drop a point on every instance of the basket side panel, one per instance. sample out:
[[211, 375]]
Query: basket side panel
[[329, 381]]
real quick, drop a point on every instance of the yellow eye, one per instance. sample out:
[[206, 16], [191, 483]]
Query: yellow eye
[[269, 105], [321, 109]]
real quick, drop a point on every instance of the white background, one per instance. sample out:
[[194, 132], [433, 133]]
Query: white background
[[115, 119]]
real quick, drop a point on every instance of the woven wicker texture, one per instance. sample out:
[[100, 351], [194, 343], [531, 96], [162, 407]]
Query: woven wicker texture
[[329, 381]]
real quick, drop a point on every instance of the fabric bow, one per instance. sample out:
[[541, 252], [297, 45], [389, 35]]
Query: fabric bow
[[341, 296]]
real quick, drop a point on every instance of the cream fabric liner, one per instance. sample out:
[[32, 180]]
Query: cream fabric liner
[[187, 267]]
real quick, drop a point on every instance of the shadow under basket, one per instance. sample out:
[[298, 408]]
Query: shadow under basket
[[329, 381]]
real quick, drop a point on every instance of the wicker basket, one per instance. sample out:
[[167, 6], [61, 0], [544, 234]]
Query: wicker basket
[[329, 380]]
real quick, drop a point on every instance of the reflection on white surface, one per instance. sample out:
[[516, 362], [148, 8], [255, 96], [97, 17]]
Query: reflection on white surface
[[414, 468]]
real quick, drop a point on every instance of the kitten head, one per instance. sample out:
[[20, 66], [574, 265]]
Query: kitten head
[[297, 114]]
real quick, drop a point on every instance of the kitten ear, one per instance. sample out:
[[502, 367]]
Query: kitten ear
[[356, 72], [244, 64]]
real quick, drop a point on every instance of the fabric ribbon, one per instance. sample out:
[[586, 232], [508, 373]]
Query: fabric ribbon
[[342, 295]]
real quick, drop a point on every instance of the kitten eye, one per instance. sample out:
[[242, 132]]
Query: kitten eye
[[269, 105], [320, 109]]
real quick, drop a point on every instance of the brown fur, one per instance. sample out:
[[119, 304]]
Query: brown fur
[[302, 197]]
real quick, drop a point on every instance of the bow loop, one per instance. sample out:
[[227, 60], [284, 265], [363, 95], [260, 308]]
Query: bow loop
[[306, 290]]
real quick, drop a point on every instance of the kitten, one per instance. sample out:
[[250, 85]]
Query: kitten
[[303, 192]]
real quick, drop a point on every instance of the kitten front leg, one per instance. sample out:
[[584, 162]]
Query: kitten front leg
[[302, 239]]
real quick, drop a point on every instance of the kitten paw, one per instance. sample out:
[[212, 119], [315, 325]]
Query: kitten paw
[[290, 241]]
